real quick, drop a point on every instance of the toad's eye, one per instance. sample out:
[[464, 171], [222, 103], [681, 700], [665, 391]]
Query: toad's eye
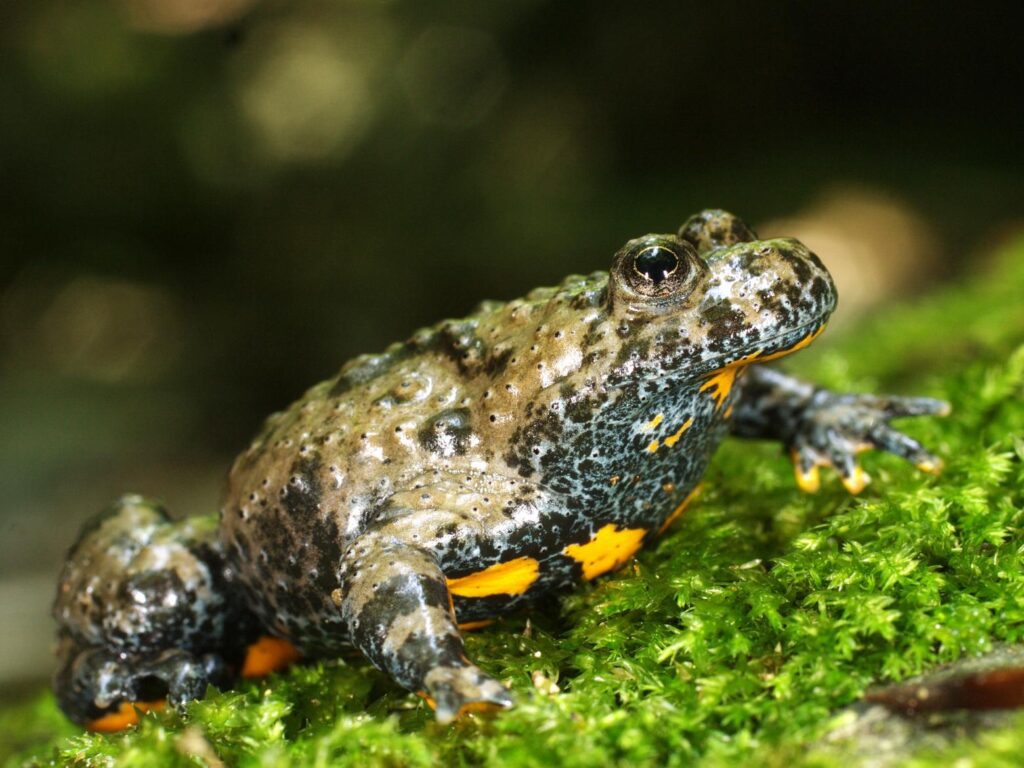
[[655, 271], [656, 263]]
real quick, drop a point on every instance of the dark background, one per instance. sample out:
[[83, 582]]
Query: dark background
[[205, 207]]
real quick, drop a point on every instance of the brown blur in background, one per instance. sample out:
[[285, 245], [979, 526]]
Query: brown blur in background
[[208, 205]]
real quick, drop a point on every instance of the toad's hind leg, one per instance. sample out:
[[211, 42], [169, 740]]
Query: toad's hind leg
[[146, 611], [395, 603]]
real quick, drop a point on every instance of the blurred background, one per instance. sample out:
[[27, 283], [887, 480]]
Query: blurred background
[[208, 205]]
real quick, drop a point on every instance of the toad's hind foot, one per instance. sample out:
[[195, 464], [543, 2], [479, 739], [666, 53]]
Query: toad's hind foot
[[456, 691], [104, 690]]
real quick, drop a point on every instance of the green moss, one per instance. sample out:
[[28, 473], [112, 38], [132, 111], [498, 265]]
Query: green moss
[[738, 637]]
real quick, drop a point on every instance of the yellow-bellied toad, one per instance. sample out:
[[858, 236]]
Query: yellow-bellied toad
[[465, 472]]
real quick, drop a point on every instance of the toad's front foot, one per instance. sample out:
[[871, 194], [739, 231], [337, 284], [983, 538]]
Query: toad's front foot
[[456, 691], [833, 428]]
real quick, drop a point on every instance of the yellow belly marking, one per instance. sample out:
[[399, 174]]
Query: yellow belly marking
[[674, 438], [609, 549], [511, 578], [720, 383], [671, 439], [653, 423], [126, 715], [469, 626], [266, 655], [674, 515]]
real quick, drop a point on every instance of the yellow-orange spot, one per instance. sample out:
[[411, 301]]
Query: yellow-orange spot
[[127, 715], [674, 438], [609, 549], [475, 707], [671, 439], [728, 411], [809, 481], [668, 487], [266, 655], [469, 626], [614, 479], [510, 578], [720, 382], [653, 423], [931, 467], [465, 709], [679, 509], [857, 481]]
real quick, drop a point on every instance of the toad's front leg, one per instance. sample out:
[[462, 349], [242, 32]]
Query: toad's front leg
[[823, 428], [395, 603]]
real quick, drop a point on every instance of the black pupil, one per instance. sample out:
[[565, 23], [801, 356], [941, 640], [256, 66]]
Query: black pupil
[[656, 263]]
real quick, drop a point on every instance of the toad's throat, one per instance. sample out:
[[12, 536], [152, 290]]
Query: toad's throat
[[719, 383]]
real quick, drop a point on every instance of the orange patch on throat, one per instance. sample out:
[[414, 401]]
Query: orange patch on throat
[[510, 578], [721, 382], [126, 715], [266, 655], [610, 548]]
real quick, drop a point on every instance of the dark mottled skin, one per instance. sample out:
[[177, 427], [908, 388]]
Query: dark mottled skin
[[145, 611], [491, 460]]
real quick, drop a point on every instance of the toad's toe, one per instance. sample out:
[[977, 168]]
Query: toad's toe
[[456, 691]]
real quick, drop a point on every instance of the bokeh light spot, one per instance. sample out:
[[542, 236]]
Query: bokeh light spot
[[304, 96]]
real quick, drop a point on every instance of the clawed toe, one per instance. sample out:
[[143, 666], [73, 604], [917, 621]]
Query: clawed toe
[[456, 691], [807, 467], [856, 480], [807, 471]]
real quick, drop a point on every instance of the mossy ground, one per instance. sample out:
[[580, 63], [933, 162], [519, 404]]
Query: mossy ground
[[737, 638]]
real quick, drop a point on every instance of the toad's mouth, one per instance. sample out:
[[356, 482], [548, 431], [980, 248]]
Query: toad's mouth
[[718, 383], [787, 343], [772, 348]]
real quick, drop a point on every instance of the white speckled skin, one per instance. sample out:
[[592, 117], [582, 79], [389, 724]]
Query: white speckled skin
[[494, 459]]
